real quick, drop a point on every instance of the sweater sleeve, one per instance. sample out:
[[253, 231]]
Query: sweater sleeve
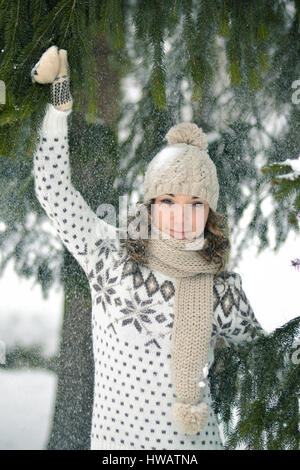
[[235, 316], [78, 227]]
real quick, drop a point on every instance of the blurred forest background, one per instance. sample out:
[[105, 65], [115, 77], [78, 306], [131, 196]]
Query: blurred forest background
[[230, 66]]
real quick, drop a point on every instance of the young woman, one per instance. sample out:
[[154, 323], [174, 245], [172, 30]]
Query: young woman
[[159, 301]]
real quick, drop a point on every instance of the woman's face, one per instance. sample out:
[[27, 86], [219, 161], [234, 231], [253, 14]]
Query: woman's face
[[180, 215]]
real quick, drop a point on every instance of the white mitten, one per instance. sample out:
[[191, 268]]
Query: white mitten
[[53, 68], [46, 69]]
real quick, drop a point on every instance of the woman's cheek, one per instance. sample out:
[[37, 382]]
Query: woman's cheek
[[159, 216]]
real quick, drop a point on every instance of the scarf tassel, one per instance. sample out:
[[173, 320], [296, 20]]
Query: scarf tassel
[[190, 418]]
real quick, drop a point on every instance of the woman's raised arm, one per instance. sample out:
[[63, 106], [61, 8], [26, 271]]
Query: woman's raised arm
[[79, 228]]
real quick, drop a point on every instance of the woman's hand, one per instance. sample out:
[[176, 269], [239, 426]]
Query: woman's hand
[[53, 68]]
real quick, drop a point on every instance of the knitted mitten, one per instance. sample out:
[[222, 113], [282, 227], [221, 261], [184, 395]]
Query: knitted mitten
[[61, 96], [53, 68], [46, 69]]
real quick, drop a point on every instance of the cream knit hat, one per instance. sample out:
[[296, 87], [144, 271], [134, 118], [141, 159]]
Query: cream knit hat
[[183, 167]]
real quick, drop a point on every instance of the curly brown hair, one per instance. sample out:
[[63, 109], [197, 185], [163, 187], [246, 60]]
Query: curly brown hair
[[216, 246]]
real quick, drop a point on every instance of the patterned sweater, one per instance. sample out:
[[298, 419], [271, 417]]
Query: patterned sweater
[[132, 315]]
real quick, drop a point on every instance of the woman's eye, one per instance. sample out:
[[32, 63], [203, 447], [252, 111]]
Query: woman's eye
[[194, 204]]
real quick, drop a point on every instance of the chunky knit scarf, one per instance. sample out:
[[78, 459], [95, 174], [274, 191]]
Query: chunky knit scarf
[[191, 333]]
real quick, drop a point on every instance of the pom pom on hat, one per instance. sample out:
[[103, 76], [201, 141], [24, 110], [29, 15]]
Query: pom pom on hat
[[188, 133], [190, 418]]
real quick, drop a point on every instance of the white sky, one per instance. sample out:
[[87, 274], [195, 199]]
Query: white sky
[[271, 284]]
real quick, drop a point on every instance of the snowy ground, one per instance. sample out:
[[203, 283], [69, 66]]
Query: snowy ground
[[26, 403], [27, 397]]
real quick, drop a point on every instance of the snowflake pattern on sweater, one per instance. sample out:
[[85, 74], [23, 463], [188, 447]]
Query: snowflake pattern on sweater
[[132, 315]]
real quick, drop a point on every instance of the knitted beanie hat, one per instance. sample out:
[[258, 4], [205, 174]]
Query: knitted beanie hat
[[183, 167]]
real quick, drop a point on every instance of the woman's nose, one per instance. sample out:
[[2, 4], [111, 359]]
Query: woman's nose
[[182, 214], [184, 210]]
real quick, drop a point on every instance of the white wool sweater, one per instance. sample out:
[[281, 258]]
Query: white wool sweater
[[132, 315]]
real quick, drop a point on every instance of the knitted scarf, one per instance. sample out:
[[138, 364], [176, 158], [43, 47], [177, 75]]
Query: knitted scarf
[[191, 333]]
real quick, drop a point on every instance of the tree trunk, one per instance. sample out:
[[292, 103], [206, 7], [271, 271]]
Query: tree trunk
[[74, 398]]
